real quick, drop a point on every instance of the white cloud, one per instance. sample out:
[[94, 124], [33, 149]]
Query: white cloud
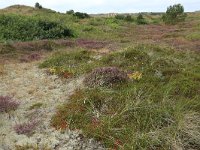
[[97, 6]]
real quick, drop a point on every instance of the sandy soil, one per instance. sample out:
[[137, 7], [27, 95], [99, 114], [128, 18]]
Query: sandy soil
[[30, 85]]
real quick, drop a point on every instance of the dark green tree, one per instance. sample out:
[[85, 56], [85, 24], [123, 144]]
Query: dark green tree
[[174, 14], [37, 5]]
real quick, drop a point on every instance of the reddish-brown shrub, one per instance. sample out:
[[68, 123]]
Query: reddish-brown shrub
[[105, 76], [7, 104]]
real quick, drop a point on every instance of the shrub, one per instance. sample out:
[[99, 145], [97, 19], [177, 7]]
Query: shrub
[[37, 5], [140, 19], [16, 27], [7, 104], [26, 128], [124, 17], [174, 14], [120, 17], [105, 76], [81, 15], [129, 18], [70, 12]]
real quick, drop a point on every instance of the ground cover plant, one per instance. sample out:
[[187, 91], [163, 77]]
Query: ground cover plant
[[8, 104], [147, 112]]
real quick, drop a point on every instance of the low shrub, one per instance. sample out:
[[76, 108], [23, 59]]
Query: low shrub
[[105, 76], [120, 17], [140, 19], [124, 17], [16, 27], [26, 128], [7, 104], [81, 15], [70, 12]]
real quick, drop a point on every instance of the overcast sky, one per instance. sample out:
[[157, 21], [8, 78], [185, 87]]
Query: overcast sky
[[106, 6]]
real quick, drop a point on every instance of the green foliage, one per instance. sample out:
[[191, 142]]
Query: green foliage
[[37, 5], [174, 14], [140, 19], [120, 17], [193, 36], [124, 17], [150, 113], [81, 15], [70, 12], [15, 27]]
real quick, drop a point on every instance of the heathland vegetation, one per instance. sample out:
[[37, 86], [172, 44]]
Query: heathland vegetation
[[141, 73]]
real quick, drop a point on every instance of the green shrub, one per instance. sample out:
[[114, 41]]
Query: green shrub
[[81, 15], [129, 18], [140, 19], [70, 12], [37, 5], [124, 17], [16, 27], [120, 17], [174, 14]]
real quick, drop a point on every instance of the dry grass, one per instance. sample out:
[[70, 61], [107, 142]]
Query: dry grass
[[2, 68]]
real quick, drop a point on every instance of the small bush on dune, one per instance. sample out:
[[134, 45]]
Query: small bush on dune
[[174, 14], [140, 19], [105, 76], [7, 104]]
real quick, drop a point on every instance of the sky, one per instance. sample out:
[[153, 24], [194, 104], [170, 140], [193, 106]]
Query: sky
[[107, 6]]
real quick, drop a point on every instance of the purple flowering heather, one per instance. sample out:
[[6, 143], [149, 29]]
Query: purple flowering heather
[[105, 76], [26, 128], [7, 104]]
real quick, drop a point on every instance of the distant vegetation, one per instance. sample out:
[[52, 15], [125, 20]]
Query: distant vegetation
[[140, 19], [174, 14], [37, 5], [16, 27], [79, 15], [128, 18]]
